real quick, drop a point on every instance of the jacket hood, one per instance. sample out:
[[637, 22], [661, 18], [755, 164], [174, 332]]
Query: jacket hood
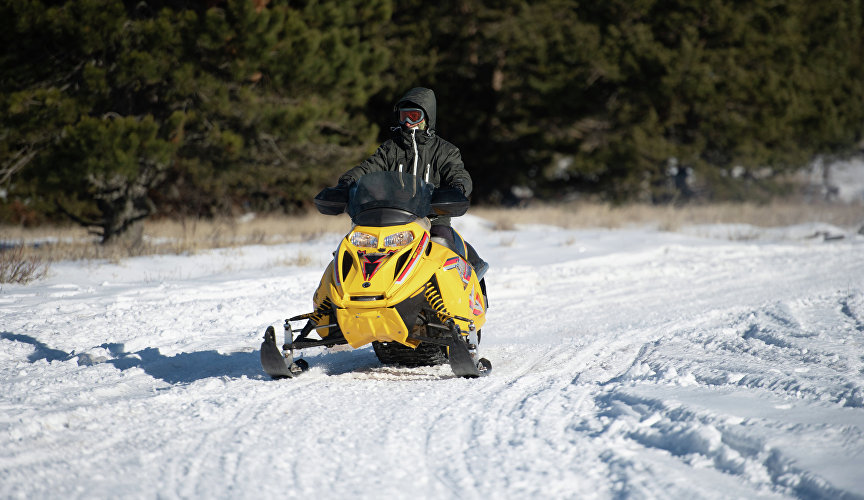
[[425, 99]]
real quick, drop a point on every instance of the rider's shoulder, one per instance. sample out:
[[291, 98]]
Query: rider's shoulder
[[387, 145], [444, 143]]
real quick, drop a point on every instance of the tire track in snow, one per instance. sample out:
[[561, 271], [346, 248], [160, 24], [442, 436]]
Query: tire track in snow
[[771, 333], [846, 307], [531, 410], [708, 440], [501, 419], [727, 442]]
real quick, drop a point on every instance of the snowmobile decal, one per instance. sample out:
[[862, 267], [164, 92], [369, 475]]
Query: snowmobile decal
[[463, 267], [372, 262], [475, 302], [413, 262]]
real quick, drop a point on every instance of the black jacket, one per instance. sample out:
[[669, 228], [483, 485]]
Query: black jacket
[[418, 151]]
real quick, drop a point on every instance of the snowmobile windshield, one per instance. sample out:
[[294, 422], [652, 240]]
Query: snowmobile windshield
[[389, 199]]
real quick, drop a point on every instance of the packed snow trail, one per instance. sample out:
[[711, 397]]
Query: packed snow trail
[[627, 364]]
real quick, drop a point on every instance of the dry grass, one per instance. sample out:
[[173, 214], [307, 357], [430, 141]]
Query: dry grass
[[669, 218], [173, 237], [190, 236], [47, 244]]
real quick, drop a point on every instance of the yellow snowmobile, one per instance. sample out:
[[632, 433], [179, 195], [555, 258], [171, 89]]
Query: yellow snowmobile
[[415, 298]]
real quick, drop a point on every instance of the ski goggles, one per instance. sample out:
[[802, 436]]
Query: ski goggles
[[411, 116]]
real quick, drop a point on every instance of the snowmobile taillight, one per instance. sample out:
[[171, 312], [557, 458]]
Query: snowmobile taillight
[[399, 239], [361, 239]]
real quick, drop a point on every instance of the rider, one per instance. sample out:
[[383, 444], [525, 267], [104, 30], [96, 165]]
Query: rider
[[416, 148]]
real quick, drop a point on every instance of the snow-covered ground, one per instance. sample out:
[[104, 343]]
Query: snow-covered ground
[[628, 363]]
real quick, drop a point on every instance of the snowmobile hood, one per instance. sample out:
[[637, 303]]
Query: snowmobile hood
[[425, 98]]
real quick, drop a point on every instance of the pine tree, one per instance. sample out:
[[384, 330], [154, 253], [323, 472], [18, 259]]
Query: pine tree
[[237, 103]]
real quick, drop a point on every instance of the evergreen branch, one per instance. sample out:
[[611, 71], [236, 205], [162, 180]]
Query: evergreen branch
[[275, 147], [20, 162]]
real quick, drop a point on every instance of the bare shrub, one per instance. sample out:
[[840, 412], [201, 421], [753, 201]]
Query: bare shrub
[[17, 265]]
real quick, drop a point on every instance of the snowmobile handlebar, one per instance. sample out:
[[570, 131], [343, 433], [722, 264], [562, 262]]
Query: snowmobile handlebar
[[450, 202], [332, 200]]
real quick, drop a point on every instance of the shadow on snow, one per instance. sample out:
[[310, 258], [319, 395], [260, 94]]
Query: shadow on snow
[[188, 367], [182, 368], [41, 351]]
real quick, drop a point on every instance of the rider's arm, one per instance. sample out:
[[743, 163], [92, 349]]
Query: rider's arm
[[375, 163], [453, 172]]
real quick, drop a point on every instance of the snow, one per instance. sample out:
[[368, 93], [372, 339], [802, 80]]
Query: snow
[[847, 176], [713, 362]]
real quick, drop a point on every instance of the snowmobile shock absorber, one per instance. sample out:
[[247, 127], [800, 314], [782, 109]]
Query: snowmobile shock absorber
[[433, 297], [324, 308]]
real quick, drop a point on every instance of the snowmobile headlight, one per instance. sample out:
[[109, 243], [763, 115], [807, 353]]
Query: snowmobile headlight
[[399, 239], [361, 239]]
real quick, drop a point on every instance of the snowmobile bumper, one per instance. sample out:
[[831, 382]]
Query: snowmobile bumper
[[360, 327]]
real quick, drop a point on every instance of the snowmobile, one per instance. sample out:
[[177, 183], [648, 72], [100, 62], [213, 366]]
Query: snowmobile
[[414, 297]]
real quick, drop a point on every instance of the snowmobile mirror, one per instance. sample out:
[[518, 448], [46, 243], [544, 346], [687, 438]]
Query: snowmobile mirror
[[331, 200], [449, 202]]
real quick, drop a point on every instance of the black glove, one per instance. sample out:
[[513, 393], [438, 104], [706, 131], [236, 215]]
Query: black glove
[[458, 186], [345, 182]]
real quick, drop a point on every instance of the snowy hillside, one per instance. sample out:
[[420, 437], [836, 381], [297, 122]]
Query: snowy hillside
[[628, 363]]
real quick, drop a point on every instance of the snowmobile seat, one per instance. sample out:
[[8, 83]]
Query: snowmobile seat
[[447, 236]]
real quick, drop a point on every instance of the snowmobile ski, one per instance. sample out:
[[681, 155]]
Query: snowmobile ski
[[461, 359], [272, 360]]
